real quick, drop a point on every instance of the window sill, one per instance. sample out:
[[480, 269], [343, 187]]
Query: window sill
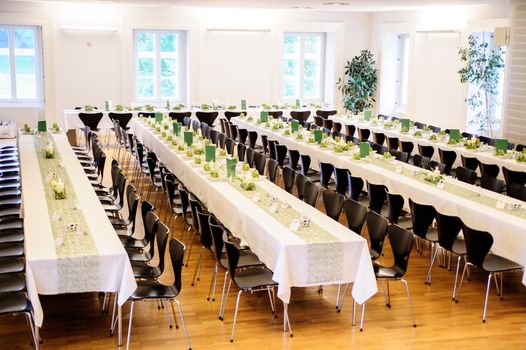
[[5, 105]]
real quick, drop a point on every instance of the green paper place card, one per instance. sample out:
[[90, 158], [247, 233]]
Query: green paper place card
[[158, 117], [298, 103], [454, 134], [231, 167], [405, 124], [318, 135], [263, 116], [210, 153], [107, 106], [365, 148], [367, 114], [501, 146], [294, 125], [42, 126], [243, 104], [177, 128], [188, 137]]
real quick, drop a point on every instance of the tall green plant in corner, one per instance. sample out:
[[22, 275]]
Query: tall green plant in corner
[[482, 69], [359, 84]]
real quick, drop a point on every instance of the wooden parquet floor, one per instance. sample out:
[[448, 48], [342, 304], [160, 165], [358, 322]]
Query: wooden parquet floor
[[76, 322]]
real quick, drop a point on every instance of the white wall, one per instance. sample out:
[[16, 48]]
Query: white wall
[[89, 68], [435, 94]]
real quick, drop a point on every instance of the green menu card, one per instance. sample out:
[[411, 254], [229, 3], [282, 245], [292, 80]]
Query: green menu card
[[298, 103], [177, 128], [501, 145], [231, 167], [367, 114], [294, 125], [263, 116], [188, 137], [365, 148], [158, 117], [405, 125], [41, 126], [454, 134], [210, 153], [318, 135], [243, 105]]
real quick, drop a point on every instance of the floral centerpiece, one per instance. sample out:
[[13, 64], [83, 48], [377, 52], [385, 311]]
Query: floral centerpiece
[[231, 107], [433, 137], [266, 106], [433, 176], [417, 133], [56, 128], [49, 150], [521, 157], [149, 108], [314, 105], [500, 152], [59, 189], [119, 108], [325, 143], [27, 129], [178, 107], [387, 155], [472, 143]]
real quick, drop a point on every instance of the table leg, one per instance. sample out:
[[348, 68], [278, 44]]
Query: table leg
[[286, 321], [119, 319]]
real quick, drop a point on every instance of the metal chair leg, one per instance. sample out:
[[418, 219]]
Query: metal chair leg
[[213, 283], [409, 301], [433, 257], [167, 313], [235, 316], [198, 266], [486, 300], [495, 275], [183, 324], [456, 278], [130, 326], [343, 298], [461, 280], [222, 314], [32, 329]]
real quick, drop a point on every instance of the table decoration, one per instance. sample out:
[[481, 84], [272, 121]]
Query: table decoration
[[49, 151], [521, 156], [149, 108]]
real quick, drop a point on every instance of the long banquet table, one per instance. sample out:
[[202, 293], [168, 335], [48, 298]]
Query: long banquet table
[[336, 255], [59, 260], [477, 207], [486, 156]]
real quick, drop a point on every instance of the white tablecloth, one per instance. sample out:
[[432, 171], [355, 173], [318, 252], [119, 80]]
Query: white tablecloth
[[115, 273], [279, 248], [508, 230], [485, 156]]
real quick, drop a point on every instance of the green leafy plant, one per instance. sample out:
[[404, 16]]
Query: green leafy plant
[[481, 68], [359, 84]]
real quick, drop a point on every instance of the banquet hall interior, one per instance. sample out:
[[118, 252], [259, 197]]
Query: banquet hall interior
[[257, 174]]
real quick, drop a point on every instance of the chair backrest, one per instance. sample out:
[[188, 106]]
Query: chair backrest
[[151, 167], [310, 193], [520, 147], [204, 229], [513, 177], [448, 159], [340, 179], [350, 129], [294, 158], [241, 151], [401, 243], [214, 136], [305, 164], [377, 228], [221, 139], [259, 163], [363, 134], [229, 145], [195, 206], [170, 191], [392, 143], [216, 232], [420, 125], [517, 191], [301, 116], [333, 202], [177, 249], [325, 114], [281, 153], [478, 244], [232, 256], [122, 118], [355, 214], [121, 185], [183, 195], [242, 135], [395, 205], [422, 216], [489, 169], [275, 114], [337, 126], [377, 196], [233, 130], [378, 137], [272, 149], [466, 175], [326, 171], [467, 134], [301, 180], [207, 117], [491, 183], [249, 156], [355, 186], [179, 116], [252, 139], [399, 155], [91, 120], [230, 114], [469, 162], [434, 129], [318, 121], [426, 151], [434, 165], [406, 146], [151, 220], [448, 228], [133, 205], [289, 176], [161, 238], [421, 161], [272, 167], [328, 124]]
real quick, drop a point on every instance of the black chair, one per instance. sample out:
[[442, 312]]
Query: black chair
[[392, 143], [337, 127], [251, 279], [275, 114], [241, 151], [242, 135], [333, 202], [259, 162], [426, 151], [448, 159], [377, 197], [249, 156], [363, 134], [318, 121], [399, 155], [328, 124], [420, 125], [153, 289], [395, 206], [401, 242], [272, 149], [325, 114], [230, 144], [355, 214], [487, 140], [310, 193], [406, 146], [421, 161], [142, 269], [233, 131], [341, 181], [478, 246], [214, 136], [355, 186], [252, 139], [137, 247], [489, 169], [300, 116], [91, 123], [206, 117], [469, 162], [272, 168], [122, 118], [205, 236], [350, 130], [467, 134], [448, 228], [230, 114], [326, 171], [435, 129], [179, 116], [513, 177], [289, 176], [466, 175], [517, 191], [281, 154], [378, 137], [301, 180], [294, 158], [422, 217], [520, 147], [13, 303], [377, 228], [195, 207], [491, 183], [305, 169]]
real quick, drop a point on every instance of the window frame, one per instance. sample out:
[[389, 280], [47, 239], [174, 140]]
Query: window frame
[[402, 71], [39, 67], [301, 68], [181, 63]]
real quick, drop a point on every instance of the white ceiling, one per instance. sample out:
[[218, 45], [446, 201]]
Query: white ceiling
[[352, 5]]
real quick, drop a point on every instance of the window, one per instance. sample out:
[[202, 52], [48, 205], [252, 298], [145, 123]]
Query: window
[[395, 74], [402, 71], [21, 78], [160, 66], [304, 66]]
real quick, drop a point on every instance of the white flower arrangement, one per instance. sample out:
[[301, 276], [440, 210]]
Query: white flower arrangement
[[50, 151], [433, 176]]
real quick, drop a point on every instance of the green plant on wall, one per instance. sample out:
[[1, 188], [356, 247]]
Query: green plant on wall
[[359, 84], [482, 67]]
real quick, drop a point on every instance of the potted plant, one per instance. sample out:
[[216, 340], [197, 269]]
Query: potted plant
[[482, 69], [359, 84]]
